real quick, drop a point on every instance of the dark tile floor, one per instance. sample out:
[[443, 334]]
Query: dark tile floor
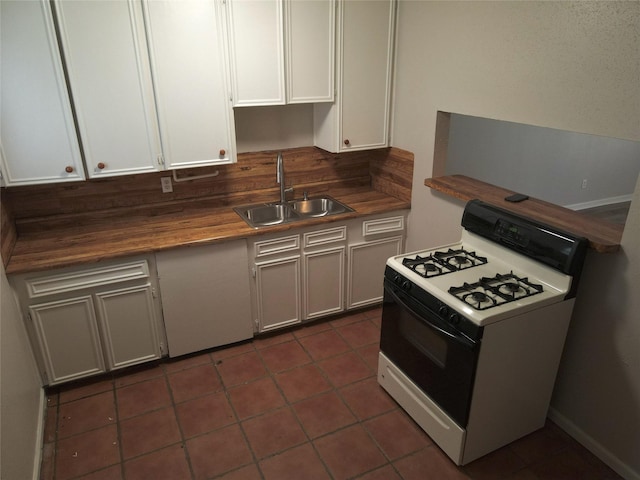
[[303, 405]]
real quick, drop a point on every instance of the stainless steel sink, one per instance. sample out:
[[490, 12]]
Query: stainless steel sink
[[318, 207], [269, 214]]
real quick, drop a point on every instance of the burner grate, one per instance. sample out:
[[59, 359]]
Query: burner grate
[[443, 262], [489, 292]]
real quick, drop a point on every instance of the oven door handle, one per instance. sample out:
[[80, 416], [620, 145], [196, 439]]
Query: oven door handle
[[420, 312]]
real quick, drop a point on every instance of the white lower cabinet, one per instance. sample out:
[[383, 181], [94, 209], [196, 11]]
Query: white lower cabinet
[[314, 273], [205, 296], [324, 260], [276, 289], [86, 321], [371, 242]]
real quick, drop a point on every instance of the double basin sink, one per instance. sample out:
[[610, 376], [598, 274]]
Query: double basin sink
[[270, 214]]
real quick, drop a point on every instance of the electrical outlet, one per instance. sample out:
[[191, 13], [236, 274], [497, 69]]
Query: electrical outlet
[[167, 187], [584, 183]]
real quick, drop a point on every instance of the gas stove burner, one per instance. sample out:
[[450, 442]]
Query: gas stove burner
[[443, 262], [493, 291]]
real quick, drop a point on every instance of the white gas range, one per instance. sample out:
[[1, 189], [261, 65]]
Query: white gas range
[[473, 332]]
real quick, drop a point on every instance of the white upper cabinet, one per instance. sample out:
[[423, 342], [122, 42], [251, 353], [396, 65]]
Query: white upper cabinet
[[310, 34], [359, 119], [188, 66], [108, 66], [281, 51], [38, 142]]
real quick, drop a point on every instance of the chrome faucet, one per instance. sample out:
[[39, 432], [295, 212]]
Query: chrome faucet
[[280, 179]]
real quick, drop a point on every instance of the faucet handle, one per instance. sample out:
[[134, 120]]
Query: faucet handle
[[305, 195]]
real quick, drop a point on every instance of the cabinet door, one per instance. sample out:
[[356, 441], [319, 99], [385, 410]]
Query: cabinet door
[[278, 292], [205, 294], [310, 34], [323, 285], [366, 270], [359, 119], [188, 65], [38, 140], [68, 337], [108, 65], [256, 44], [129, 326]]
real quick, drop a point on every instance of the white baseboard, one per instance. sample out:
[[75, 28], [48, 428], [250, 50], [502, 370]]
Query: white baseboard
[[600, 202], [593, 446], [37, 448]]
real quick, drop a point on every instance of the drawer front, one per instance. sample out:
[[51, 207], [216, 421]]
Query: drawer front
[[278, 245], [382, 225], [91, 277], [323, 237]]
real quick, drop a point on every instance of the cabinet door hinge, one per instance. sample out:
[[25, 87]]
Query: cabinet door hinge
[[253, 271], [154, 294], [160, 159], [162, 349], [29, 317]]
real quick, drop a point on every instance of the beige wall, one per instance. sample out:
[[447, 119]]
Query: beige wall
[[568, 65], [21, 397]]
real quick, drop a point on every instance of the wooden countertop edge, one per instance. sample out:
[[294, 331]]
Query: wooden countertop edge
[[603, 236], [58, 249]]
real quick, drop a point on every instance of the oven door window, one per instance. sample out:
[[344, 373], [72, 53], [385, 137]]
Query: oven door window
[[436, 357]]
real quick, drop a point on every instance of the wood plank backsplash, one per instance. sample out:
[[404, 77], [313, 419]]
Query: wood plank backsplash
[[251, 179]]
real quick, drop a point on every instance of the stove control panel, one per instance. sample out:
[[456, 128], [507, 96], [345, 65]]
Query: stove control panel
[[512, 233]]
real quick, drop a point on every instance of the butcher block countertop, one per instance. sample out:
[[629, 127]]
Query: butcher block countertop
[[603, 236], [147, 231]]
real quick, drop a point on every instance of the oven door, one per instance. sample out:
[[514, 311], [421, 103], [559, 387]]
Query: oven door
[[439, 359]]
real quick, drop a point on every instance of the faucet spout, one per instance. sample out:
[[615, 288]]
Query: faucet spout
[[280, 179]]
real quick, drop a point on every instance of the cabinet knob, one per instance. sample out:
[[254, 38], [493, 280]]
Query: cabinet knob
[[346, 141], [69, 169], [101, 165], [222, 152]]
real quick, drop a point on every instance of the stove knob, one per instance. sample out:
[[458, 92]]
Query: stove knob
[[443, 311], [406, 285], [454, 318]]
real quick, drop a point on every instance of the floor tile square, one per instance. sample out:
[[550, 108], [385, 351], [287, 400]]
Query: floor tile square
[[396, 434], [323, 414], [137, 374], [248, 472], [113, 472], [345, 368], [194, 382], [302, 382], [182, 363], [204, 414], [284, 356], [291, 464], [231, 351], [148, 432], [349, 452], [241, 369], [218, 452], [324, 344], [367, 398], [273, 432], [69, 393], [360, 334], [167, 464], [142, 397], [384, 473], [86, 414], [264, 341], [255, 398], [429, 464], [86, 452], [312, 328], [369, 354]]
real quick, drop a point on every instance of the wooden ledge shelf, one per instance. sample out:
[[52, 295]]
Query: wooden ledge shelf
[[603, 236]]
